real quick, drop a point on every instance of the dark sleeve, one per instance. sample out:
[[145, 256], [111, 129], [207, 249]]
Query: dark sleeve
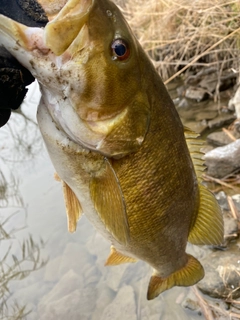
[[13, 77]]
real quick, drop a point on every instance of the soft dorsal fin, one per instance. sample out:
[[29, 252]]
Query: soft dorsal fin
[[109, 203], [208, 227], [116, 258], [194, 147]]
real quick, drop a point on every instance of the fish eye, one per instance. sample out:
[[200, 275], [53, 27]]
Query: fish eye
[[120, 49]]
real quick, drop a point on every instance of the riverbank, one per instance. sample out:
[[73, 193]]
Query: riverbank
[[182, 37]]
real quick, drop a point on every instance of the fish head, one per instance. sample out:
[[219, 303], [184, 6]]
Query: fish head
[[88, 64]]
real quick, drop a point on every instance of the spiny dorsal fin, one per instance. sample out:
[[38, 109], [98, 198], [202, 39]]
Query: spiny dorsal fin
[[208, 227], [194, 147], [190, 274], [109, 203], [116, 258]]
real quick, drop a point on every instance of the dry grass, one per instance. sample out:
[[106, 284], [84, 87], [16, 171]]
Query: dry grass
[[194, 33]]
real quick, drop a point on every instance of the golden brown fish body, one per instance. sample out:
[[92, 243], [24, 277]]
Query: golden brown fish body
[[116, 140]]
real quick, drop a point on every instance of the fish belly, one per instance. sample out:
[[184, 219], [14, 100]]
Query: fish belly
[[73, 164]]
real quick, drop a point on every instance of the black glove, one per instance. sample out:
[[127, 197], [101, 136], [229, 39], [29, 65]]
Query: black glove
[[13, 77]]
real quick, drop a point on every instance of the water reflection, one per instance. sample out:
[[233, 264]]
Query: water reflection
[[20, 138], [12, 268], [19, 142]]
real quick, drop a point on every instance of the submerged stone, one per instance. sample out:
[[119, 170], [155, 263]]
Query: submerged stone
[[222, 161], [122, 307], [234, 103], [206, 115], [219, 138], [221, 120], [196, 93], [222, 274]]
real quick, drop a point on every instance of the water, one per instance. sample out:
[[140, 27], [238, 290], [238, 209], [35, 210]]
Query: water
[[47, 272]]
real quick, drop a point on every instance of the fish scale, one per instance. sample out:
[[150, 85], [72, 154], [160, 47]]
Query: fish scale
[[117, 142]]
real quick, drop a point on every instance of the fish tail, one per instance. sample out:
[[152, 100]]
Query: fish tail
[[190, 274]]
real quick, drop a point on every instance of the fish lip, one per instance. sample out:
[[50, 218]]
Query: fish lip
[[69, 22]]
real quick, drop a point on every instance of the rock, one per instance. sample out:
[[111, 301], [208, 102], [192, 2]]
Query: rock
[[75, 257], [114, 278], [219, 138], [221, 120], [68, 307], [122, 307], [135, 272], [68, 299], [209, 83], [222, 161], [196, 93], [183, 104], [222, 270], [91, 276], [29, 295], [106, 296], [198, 127], [181, 90], [51, 269], [236, 128], [191, 302], [230, 227], [207, 115], [154, 317], [97, 245], [145, 313], [206, 148], [236, 200], [176, 101], [222, 200], [67, 284], [234, 103]]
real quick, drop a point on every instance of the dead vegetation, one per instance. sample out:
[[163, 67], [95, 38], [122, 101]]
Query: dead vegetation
[[186, 35]]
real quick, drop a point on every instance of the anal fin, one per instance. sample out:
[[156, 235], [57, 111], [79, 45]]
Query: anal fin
[[190, 274], [208, 227], [116, 258]]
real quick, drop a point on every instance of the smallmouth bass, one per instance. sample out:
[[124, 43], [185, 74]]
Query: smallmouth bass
[[117, 142]]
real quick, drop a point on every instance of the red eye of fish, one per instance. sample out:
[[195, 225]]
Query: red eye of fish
[[120, 49]]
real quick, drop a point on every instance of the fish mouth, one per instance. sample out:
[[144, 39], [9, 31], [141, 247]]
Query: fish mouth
[[68, 22]]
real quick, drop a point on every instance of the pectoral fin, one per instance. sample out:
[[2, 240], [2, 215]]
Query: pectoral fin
[[208, 227], [116, 258], [73, 207], [109, 203], [190, 274]]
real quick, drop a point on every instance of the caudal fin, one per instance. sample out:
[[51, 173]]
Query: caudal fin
[[190, 274]]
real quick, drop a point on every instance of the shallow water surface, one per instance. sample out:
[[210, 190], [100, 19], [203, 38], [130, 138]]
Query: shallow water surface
[[54, 274]]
